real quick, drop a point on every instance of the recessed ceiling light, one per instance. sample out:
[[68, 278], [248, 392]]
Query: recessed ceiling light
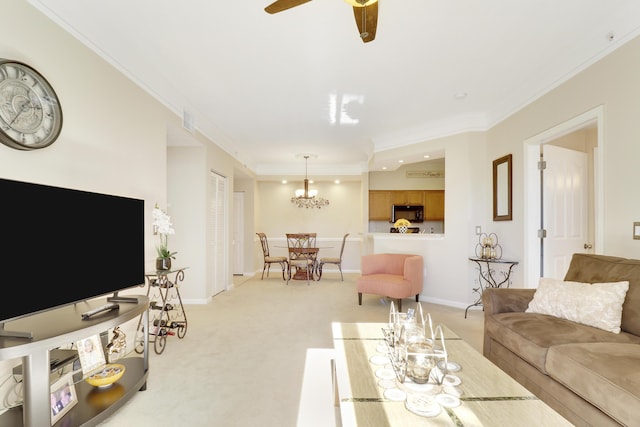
[[426, 156], [284, 181], [337, 181], [384, 168], [460, 95], [400, 161]]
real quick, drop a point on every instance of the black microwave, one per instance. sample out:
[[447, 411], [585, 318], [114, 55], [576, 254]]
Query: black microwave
[[412, 213]]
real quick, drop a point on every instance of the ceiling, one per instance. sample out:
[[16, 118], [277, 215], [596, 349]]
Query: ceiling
[[272, 88]]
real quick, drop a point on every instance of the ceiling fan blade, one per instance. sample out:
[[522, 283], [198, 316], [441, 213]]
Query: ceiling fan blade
[[367, 20], [280, 5]]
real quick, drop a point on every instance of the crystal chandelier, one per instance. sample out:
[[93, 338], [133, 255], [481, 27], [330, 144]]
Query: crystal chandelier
[[306, 198]]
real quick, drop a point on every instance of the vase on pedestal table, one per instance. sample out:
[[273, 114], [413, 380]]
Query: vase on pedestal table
[[163, 263]]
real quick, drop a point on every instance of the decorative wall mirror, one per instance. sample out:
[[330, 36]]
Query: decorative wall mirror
[[502, 189]]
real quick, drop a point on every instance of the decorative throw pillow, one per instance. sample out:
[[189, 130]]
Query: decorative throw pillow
[[593, 304]]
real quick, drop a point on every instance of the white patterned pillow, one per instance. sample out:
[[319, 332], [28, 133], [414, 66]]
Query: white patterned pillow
[[593, 304]]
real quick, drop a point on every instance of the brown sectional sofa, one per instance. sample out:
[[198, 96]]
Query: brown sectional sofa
[[589, 375]]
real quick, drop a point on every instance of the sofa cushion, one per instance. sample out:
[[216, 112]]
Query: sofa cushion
[[597, 304], [530, 335], [592, 268], [605, 374]]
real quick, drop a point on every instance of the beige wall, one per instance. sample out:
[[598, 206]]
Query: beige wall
[[611, 83], [276, 216], [398, 180], [113, 138]]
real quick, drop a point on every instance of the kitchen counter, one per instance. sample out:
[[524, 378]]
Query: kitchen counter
[[406, 236]]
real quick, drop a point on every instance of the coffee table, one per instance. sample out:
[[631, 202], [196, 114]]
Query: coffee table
[[489, 397]]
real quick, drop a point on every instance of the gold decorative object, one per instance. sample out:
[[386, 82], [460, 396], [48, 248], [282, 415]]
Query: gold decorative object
[[402, 225], [488, 247], [106, 376], [118, 345]]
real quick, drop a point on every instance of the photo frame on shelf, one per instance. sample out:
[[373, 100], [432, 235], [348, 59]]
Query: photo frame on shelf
[[91, 354], [63, 397]]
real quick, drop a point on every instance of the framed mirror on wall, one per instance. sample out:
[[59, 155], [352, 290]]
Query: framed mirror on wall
[[502, 189]]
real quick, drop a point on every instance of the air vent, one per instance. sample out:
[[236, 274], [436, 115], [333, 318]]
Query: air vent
[[188, 122]]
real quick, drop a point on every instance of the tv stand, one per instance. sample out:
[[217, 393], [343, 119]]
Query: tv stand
[[61, 326], [118, 298], [14, 334]]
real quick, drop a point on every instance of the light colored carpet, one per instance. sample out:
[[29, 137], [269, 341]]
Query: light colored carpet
[[241, 362]]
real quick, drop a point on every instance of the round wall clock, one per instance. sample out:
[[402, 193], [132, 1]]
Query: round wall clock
[[30, 112]]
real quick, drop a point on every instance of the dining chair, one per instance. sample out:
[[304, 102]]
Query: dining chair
[[268, 259], [302, 253], [336, 261]]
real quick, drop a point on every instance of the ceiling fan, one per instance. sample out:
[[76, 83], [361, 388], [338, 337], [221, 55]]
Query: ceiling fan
[[365, 12]]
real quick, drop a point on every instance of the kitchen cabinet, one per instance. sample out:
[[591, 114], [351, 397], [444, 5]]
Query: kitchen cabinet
[[380, 205], [434, 205], [407, 197], [381, 202]]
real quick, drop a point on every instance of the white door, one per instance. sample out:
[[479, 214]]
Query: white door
[[238, 233], [218, 240], [534, 217], [565, 212]]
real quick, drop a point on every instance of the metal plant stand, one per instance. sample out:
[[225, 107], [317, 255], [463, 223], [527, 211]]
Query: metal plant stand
[[487, 277], [167, 316]]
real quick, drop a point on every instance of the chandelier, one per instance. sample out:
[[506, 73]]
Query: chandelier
[[306, 198]]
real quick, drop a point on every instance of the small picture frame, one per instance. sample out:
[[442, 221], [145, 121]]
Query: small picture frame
[[63, 397], [91, 354]]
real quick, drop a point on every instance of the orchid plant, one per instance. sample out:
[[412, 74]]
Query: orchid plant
[[163, 227]]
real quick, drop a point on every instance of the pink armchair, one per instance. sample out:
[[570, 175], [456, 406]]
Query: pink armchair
[[392, 275]]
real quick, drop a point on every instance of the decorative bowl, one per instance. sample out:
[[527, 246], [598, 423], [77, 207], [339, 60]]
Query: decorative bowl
[[106, 376]]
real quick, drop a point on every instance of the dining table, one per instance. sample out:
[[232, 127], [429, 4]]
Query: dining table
[[303, 245], [304, 253]]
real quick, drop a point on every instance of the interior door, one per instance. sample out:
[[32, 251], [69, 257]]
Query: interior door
[[565, 212], [582, 133]]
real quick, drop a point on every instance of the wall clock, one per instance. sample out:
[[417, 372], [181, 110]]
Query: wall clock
[[30, 112]]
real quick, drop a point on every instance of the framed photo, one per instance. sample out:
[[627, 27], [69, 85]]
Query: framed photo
[[63, 397], [90, 353]]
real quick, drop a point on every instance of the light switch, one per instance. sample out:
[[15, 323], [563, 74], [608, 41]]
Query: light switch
[[478, 230]]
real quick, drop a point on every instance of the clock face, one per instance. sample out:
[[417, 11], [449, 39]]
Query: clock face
[[30, 113]]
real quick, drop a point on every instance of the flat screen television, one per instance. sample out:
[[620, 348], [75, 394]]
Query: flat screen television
[[60, 246]]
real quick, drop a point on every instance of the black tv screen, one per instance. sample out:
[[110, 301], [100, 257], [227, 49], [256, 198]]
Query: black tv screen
[[59, 246]]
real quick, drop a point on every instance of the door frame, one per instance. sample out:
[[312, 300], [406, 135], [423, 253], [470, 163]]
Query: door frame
[[531, 190], [238, 232], [218, 265]]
